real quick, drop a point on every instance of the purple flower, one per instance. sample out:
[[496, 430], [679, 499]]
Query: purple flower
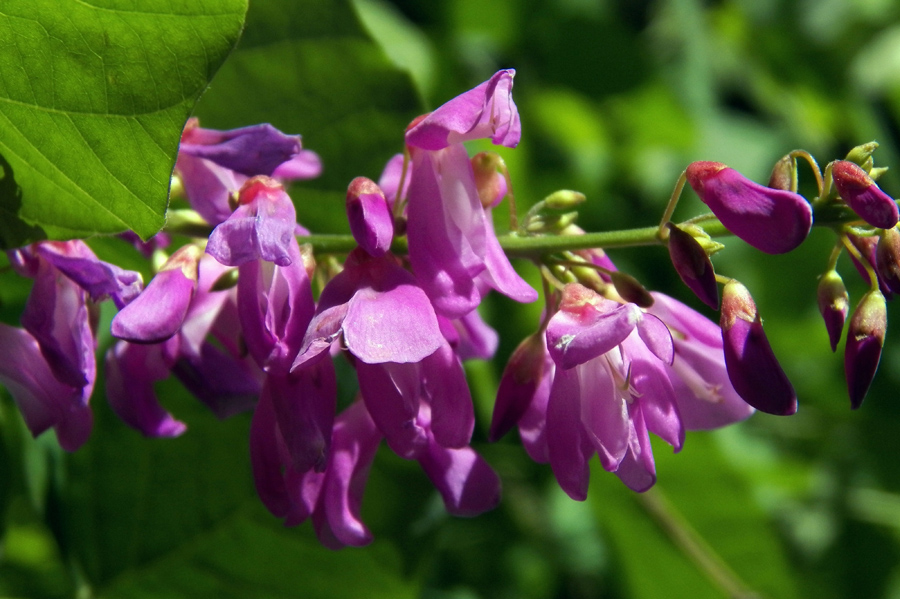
[[215, 164], [215, 372], [43, 400], [451, 239], [752, 367], [863, 195], [865, 339], [262, 227], [610, 388], [522, 377], [57, 314], [774, 221], [887, 259]]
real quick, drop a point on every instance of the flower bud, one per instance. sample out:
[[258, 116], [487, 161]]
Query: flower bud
[[752, 367], [862, 154], [491, 185], [564, 199], [865, 339], [370, 216], [863, 195], [784, 174], [693, 265], [887, 259], [631, 290], [774, 221], [520, 381], [834, 303]]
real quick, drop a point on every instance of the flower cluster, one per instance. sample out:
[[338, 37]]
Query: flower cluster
[[235, 318]]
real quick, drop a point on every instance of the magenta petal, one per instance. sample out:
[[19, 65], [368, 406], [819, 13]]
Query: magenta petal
[[499, 273], [208, 187], [568, 447], [653, 392], [131, 371], [100, 279], [354, 444], [771, 220], [224, 383], [604, 412], [391, 320], [637, 469], [446, 229], [575, 338], [467, 484], [475, 338], [389, 182], [486, 111], [452, 412], [657, 337], [57, 317], [305, 165], [158, 312], [254, 150], [265, 457], [371, 221], [519, 383], [391, 393], [752, 367], [863, 195], [533, 423], [43, 401], [304, 404]]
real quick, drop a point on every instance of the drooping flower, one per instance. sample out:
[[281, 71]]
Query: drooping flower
[[863, 195], [693, 265], [774, 221], [752, 366], [386, 322], [370, 216], [609, 390], [215, 164], [834, 303], [451, 240]]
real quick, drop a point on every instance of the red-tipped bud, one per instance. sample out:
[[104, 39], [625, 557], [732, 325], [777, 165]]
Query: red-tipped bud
[[771, 220], [520, 381], [491, 185], [370, 216], [693, 265], [863, 195], [887, 259], [752, 367], [865, 339], [834, 303]]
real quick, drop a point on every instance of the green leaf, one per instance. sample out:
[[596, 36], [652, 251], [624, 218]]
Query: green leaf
[[94, 96], [180, 518], [310, 68]]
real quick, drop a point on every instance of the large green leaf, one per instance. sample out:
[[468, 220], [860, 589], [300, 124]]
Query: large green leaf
[[93, 97]]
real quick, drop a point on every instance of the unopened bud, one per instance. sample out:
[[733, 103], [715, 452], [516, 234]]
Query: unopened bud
[[520, 381], [693, 266], [370, 216], [631, 290], [887, 259], [862, 154], [784, 174], [834, 303], [863, 195], [491, 185], [865, 339], [752, 367], [564, 199]]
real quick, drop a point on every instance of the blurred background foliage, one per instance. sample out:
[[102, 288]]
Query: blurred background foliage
[[616, 98]]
